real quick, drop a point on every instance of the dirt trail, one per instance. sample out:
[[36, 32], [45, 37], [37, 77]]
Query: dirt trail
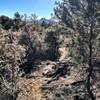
[[31, 88]]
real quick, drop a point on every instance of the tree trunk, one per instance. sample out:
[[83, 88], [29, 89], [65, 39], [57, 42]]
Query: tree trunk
[[90, 71]]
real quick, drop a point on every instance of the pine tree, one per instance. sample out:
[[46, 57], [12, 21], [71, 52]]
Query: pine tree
[[81, 17]]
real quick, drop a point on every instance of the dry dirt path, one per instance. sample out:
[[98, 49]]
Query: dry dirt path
[[31, 88]]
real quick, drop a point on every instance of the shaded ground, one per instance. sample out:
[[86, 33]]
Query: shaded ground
[[42, 87], [34, 88]]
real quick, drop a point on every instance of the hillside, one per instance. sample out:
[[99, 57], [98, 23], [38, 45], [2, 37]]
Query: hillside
[[46, 77], [52, 59]]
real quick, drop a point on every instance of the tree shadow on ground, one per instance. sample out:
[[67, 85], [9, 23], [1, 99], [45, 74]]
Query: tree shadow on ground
[[27, 68]]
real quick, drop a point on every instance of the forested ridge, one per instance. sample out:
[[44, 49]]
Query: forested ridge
[[52, 59]]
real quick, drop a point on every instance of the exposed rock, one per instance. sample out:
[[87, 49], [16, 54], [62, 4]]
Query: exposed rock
[[64, 53]]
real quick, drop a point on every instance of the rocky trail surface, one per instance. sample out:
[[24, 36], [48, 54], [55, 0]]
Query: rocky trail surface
[[47, 84]]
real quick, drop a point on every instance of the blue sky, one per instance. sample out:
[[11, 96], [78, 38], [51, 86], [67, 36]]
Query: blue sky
[[42, 8]]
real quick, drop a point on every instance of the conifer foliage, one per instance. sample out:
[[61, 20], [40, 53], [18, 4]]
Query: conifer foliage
[[82, 18]]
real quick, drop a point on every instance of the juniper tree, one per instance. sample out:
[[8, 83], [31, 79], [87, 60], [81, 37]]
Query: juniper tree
[[17, 20], [81, 17]]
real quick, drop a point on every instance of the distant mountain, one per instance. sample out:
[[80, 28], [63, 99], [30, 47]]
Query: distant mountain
[[47, 21]]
